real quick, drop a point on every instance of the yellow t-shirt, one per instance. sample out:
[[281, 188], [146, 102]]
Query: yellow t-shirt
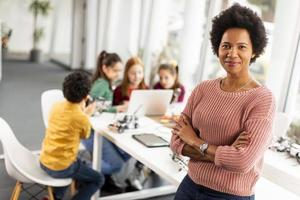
[[67, 124]]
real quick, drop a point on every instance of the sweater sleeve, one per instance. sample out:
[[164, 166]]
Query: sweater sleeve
[[111, 109], [117, 97], [259, 127], [177, 144], [157, 86], [182, 93], [99, 89]]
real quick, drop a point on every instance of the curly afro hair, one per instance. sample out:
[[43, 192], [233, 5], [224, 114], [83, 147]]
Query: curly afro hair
[[76, 86], [238, 16]]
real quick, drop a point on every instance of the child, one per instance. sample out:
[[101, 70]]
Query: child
[[68, 123], [168, 79], [109, 66], [133, 79]]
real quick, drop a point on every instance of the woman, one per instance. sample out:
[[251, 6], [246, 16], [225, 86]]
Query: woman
[[226, 125]]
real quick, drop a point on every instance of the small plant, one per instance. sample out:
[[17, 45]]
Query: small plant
[[5, 35], [38, 8]]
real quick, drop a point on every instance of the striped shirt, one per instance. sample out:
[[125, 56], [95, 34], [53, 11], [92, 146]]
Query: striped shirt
[[219, 117]]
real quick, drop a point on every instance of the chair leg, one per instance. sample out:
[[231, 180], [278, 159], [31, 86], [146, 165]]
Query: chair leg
[[50, 193], [73, 187], [17, 191], [13, 192]]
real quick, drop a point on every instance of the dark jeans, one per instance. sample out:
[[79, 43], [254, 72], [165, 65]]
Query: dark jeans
[[188, 190], [113, 158], [88, 179]]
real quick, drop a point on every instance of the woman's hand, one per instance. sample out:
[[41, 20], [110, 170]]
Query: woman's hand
[[185, 131], [242, 141]]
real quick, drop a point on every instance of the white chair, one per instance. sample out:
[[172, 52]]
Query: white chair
[[281, 123], [48, 98], [23, 165]]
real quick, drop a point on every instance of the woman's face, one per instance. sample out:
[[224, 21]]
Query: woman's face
[[166, 79], [135, 75], [236, 51], [113, 73]]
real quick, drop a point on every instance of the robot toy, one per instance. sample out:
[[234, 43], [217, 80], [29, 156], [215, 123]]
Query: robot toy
[[127, 122]]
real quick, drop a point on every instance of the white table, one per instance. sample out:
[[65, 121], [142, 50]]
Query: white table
[[159, 160]]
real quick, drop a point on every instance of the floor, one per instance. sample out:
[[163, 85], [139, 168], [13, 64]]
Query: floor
[[20, 91]]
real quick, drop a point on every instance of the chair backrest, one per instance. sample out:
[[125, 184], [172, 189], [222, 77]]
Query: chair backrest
[[13, 149], [48, 98], [281, 124], [21, 164]]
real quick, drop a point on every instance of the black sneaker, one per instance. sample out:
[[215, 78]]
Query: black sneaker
[[111, 187]]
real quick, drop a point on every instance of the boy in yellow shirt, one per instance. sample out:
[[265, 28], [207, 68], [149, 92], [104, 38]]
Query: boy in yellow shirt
[[68, 123]]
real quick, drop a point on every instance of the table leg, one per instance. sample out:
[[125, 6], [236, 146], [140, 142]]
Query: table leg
[[97, 157]]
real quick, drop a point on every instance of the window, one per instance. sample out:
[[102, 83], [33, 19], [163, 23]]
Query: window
[[293, 100], [259, 69], [169, 47]]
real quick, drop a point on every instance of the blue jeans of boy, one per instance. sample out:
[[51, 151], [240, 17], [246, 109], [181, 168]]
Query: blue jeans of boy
[[89, 180], [188, 190], [113, 158]]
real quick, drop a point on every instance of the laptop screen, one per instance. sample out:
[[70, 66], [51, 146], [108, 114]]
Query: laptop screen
[[149, 102]]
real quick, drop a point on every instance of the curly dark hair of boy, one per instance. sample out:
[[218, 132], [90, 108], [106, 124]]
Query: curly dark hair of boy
[[76, 86], [238, 16]]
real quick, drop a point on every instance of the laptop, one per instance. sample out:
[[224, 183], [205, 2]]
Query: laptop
[[149, 102]]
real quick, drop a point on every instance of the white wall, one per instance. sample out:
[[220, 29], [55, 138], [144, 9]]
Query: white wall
[[78, 17], [16, 15], [60, 36], [121, 29], [90, 34]]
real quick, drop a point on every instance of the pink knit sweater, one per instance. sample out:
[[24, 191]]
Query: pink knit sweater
[[219, 117]]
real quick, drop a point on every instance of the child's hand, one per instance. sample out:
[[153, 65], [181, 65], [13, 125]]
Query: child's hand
[[122, 108], [90, 109]]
